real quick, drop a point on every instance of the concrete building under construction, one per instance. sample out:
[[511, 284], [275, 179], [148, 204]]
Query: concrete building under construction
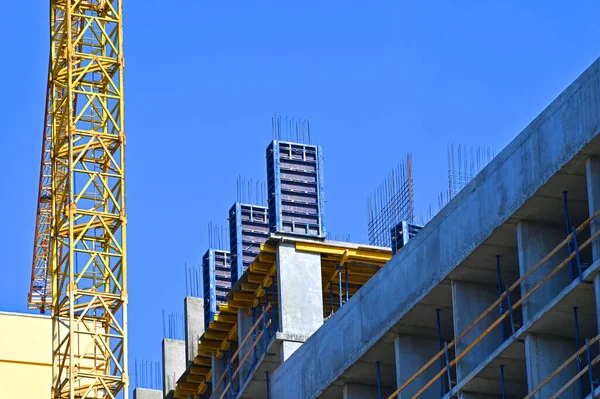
[[495, 296]]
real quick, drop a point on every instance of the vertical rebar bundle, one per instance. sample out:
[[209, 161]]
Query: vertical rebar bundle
[[392, 202], [218, 237], [463, 165], [148, 374], [252, 192], [290, 129], [173, 325], [193, 281]]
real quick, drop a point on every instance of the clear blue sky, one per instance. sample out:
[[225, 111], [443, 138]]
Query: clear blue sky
[[377, 79]]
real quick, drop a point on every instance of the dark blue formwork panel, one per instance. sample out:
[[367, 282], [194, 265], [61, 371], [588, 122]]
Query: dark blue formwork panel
[[295, 184], [403, 232], [248, 228], [216, 273]]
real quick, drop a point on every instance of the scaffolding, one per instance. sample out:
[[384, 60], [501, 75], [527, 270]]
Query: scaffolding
[[391, 203]]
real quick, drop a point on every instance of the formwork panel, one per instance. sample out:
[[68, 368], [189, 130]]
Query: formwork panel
[[216, 272], [402, 233], [295, 183], [248, 229]]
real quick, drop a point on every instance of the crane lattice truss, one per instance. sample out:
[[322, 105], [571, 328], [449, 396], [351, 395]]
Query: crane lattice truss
[[79, 262]]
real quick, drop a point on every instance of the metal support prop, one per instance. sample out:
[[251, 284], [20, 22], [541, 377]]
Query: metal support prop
[[500, 294], [567, 232], [254, 337], [441, 346], [448, 366], [502, 381], [378, 380], [224, 364], [589, 366], [331, 295], [577, 258], [510, 311], [339, 268], [268, 385], [266, 335], [577, 346], [347, 290], [231, 391], [274, 325]]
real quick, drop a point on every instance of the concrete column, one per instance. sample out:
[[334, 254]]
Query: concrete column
[[592, 173], [300, 295], [193, 309], [217, 372], [411, 354], [543, 355], [143, 393], [535, 240], [469, 301], [244, 326], [356, 391], [173, 352]]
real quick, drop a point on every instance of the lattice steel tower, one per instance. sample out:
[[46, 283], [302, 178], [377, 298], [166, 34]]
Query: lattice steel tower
[[79, 263]]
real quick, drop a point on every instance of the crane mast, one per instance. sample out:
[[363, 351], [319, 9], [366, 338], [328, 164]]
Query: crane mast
[[79, 269]]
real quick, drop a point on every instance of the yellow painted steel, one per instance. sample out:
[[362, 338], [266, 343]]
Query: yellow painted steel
[[362, 261], [81, 222]]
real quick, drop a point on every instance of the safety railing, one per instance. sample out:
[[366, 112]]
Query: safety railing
[[260, 335], [590, 363], [574, 254]]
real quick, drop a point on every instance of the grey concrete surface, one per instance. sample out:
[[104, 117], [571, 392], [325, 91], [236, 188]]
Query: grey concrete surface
[[173, 360], [544, 354], [547, 145], [535, 240], [143, 393], [193, 309], [469, 301], [355, 391], [244, 326], [592, 173], [410, 353], [218, 369], [300, 294]]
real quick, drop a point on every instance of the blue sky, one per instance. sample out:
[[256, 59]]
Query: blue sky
[[377, 80]]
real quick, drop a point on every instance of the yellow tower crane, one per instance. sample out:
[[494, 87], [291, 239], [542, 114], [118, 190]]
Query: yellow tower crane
[[79, 267]]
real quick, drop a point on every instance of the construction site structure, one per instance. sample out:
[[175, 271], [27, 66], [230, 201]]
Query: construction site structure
[[295, 188], [401, 233], [80, 254], [391, 203], [248, 229], [498, 296], [216, 273]]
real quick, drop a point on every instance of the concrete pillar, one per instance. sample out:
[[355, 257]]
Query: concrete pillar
[[244, 326], [356, 391], [535, 240], [543, 355], [469, 301], [217, 372], [472, 395], [193, 309], [592, 173], [300, 295], [411, 354], [173, 353], [143, 393]]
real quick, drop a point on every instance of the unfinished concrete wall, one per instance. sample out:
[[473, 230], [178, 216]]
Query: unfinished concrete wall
[[592, 172], [527, 163], [143, 393], [173, 360], [300, 294], [194, 326]]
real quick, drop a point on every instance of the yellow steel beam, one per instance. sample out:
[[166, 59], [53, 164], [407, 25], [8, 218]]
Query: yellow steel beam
[[80, 243]]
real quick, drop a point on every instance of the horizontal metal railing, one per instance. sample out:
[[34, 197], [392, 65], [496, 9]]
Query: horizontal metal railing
[[508, 313], [587, 369], [260, 333]]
